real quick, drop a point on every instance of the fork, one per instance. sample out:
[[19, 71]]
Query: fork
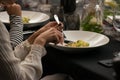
[[58, 21]]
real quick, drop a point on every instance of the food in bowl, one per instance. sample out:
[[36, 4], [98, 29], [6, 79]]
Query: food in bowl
[[25, 19], [78, 43]]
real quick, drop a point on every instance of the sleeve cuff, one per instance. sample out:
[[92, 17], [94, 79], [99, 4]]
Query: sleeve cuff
[[38, 49], [26, 43], [15, 19]]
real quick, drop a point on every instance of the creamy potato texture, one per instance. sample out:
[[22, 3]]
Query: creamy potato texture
[[78, 43], [25, 19]]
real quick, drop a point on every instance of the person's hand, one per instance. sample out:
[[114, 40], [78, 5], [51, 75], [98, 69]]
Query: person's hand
[[51, 35], [52, 24], [13, 9]]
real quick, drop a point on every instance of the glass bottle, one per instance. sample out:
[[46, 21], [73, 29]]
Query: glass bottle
[[58, 10], [68, 5], [92, 16], [109, 8], [71, 18]]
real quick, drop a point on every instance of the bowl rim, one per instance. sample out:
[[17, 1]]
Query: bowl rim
[[26, 11], [61, 46]]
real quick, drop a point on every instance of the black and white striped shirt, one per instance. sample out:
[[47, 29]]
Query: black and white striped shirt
[[16, 30]]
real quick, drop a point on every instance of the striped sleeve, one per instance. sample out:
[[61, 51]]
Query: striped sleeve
[[16, 30]]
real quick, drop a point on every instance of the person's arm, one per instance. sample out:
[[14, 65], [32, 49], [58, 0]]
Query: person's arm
[[22, 50], [16, 30], [31, 67], [11, 68], [16, 24]]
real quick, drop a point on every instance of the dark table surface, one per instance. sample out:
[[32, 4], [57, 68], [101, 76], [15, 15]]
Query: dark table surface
[[82, 65]]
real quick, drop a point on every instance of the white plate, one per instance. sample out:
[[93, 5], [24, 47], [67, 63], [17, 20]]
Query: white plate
[[110, 18], [117, 17], [94, 39], [36, 18]]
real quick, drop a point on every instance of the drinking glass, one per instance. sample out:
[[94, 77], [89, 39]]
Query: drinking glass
[[68, 5], [72, 21], [30, 4], [113, 18], [116, 17], [44, 6], [116, 20], [71, 16]]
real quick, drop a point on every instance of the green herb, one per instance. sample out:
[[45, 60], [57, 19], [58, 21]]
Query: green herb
[[87, 26]]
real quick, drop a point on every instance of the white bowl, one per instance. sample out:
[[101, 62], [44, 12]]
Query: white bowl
[[95, 40], [36, 18]]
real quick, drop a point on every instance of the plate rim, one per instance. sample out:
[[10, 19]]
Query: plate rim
[[108, 40], [48, 17]]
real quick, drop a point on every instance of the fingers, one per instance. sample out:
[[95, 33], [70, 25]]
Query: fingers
[[51, 32], [14, 9], [59, 27], [54, 24], [57, 36], [58, 31], [51, 35], [50, 25]]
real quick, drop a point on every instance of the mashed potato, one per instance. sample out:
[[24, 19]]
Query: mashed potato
[[79, 43], [25, 19]]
